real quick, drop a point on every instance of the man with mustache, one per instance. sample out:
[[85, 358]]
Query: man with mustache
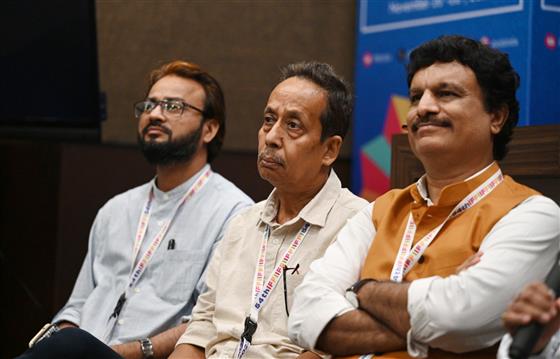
[[267, 249], [149, 246], [389, 285]]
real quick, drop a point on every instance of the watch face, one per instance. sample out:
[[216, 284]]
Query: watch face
[[352, 298], [147, 349]]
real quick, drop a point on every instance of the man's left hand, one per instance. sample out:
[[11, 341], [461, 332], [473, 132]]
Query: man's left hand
[[130, 350], [308, 355]]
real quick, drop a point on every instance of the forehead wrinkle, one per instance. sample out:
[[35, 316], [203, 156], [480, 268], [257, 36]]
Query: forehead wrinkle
[[297, 96]]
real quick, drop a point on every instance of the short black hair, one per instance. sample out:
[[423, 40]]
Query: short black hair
[[214, 106], [336, 117], [492, 68]]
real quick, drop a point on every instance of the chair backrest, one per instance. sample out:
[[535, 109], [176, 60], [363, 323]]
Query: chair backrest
[[533, 159]]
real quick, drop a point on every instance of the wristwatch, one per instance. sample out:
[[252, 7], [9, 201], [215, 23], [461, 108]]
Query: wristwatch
[[147, 348], [46, 331], [352, 292]]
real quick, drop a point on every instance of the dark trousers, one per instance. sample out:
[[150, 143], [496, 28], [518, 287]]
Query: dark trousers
[[70, 343]]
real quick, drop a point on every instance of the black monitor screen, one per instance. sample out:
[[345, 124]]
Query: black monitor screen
[[48, 59]]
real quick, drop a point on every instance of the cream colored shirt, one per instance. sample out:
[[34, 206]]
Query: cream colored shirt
[[219, 314]]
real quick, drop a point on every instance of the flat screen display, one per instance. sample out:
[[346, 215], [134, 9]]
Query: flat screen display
[[48, 59]]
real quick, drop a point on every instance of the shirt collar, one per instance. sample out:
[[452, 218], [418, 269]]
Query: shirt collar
[[422, 188], [177, 192], [315, 212]]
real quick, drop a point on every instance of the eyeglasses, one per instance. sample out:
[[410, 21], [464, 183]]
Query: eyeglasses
[[284, 270], [170, 108]]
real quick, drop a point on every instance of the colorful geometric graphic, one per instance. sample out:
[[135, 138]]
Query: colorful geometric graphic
[[375, 155], [387, 32]]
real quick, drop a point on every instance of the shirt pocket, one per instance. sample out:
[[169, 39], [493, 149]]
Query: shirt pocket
[[179, 274]]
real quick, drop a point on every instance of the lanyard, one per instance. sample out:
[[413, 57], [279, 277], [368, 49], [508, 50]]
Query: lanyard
[[142, 264], [407, 255], [260, 291]]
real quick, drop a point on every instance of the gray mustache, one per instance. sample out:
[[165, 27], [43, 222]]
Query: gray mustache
[[269, 155]]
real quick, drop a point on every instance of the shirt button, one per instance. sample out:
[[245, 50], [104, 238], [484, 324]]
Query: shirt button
[[160, 223], [165, 196], [121, 321], [276, 241], [136, 290]]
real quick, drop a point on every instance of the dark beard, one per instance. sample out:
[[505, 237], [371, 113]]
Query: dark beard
[[175, 150]]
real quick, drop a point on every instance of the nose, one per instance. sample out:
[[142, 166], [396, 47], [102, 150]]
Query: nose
[[157, 113], [273, 137], [427, 104]]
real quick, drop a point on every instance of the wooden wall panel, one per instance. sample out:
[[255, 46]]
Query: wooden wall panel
[[242, 43], [533, 159]]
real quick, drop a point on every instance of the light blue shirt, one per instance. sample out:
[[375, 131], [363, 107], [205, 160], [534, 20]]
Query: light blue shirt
[[174, 278]]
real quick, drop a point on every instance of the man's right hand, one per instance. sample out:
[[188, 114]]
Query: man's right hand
[[65, 324], [536, 302]]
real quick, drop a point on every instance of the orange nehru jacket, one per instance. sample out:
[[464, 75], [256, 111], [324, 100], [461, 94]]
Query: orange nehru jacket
[[458, 239]]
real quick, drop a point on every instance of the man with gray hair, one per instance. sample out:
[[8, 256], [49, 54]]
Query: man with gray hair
[[268, 248]]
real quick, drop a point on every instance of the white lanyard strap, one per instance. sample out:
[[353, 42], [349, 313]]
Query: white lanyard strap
[[138, 270], [143, 225], [407, 256], [261, 293]]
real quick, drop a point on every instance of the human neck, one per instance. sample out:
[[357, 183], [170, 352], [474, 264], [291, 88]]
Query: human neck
[[291, 202], [438, 178], [171, 176]]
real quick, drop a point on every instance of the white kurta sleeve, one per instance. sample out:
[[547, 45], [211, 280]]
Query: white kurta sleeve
[[320, 297], [462, 312]]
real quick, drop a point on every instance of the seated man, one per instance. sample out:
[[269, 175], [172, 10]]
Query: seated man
[[535, 303], [149, 247], [389, 282], [267, 249]]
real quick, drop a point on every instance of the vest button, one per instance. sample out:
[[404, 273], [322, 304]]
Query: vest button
[[421, 260]]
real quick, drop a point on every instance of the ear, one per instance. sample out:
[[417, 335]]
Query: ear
[[498, 119], [209, 130], [332, 148]]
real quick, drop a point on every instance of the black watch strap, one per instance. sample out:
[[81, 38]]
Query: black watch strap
[[352, 292], [359, 284]]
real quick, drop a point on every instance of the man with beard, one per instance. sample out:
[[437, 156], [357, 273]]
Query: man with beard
[[267, 249], [149, 246]]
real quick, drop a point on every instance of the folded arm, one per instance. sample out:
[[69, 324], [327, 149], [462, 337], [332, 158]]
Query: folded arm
[[356, 332], [387, 302], [321, 317], [445, 311]]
